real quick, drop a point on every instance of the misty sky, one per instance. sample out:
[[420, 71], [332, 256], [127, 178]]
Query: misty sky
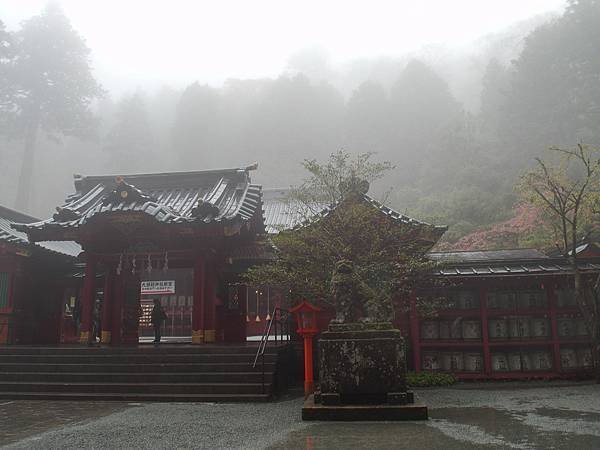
[[147, 42]]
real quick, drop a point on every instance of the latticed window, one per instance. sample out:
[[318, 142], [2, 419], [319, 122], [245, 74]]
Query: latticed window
[[565, 297], [464, 299], [519, 299]]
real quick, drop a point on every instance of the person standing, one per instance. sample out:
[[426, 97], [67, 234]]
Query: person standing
[[157, 317], [96, 326]]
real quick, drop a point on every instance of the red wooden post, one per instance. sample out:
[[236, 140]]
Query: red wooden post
[[309, 384], [551, 294], [485, 335], [198, 309], [6, 322], [117, 310], [210, 305], [107, 305], [87, 308], [11, 290], [306, 319], [414, 332]]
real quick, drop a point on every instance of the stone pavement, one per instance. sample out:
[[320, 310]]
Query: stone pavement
[[490, 415]]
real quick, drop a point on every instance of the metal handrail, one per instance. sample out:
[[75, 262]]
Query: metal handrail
[[283, 323]]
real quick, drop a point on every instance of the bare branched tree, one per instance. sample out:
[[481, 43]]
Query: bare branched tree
[[569, 192]]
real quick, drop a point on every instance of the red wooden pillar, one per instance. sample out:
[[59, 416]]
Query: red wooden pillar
[[107, 305], [210, 304], [198, 308], [551, 295], [130, 309], [117, 310], [12, 277], [309, 384], [6, 319], [414, 332], [485, 335], [87, 307]]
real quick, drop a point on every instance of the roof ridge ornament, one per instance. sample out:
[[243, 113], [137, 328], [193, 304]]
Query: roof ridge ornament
[[65, 214], [204, 210], [127, 193]]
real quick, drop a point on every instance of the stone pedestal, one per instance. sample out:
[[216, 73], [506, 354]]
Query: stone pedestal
[[360, 413], [361, 363], [362, 372]]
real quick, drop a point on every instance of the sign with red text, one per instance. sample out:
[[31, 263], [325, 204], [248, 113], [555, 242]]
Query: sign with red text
[[158, 287]]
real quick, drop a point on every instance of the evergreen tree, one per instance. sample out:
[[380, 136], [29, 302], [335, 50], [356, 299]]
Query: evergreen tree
[[6, 85], [421, 100], [495, 89], [53, 87], [130, 141], [366, 122], [555, 98], [422, 106], [196, 127]]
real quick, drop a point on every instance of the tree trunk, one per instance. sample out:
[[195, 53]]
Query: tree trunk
[[595, 332], [596, 357], [26, 176]]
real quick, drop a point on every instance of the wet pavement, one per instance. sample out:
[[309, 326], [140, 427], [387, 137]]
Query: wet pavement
[[489, 415], [19, 419]]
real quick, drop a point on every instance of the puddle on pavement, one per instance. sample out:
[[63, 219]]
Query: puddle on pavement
[[546, 428], [455, 428], [370, 435], [569, 414]]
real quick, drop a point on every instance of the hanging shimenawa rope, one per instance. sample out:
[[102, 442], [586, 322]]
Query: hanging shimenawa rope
[[120, 265], [268, 304], [257, 306]]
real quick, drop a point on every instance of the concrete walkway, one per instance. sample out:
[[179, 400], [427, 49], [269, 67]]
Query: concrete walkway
[[490, 415]]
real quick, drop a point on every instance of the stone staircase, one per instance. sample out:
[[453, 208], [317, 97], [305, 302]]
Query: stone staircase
[[186, 373]]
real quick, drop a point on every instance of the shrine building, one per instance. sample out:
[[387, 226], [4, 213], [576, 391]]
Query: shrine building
[[186, 237], [180, 237]]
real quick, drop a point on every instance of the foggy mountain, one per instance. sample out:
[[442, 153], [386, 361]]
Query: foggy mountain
[[459, 124]]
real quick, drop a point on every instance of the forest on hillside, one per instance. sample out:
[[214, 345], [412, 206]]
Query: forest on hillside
[[459, 128]]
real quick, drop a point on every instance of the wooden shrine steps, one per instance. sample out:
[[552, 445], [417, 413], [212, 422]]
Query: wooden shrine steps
[[178, 373]]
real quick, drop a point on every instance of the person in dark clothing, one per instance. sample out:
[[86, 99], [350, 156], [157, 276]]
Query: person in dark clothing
[[157, 317]]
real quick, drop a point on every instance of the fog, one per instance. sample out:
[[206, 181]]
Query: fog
[[148, 43], [446, 91]]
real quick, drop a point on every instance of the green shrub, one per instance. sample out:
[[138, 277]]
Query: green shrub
[[425, 379]]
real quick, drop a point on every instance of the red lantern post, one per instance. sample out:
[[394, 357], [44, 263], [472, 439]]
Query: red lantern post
[[306, 319]]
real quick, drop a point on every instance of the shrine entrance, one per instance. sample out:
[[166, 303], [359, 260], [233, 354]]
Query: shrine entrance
[[174, 289]]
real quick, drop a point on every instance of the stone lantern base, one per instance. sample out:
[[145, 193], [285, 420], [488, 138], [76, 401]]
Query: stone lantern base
[[362, 376]]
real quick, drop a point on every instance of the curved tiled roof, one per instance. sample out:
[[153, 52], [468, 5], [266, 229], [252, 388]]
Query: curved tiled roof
[[511, 262], [199, 197], [8, 234], [281, 214]]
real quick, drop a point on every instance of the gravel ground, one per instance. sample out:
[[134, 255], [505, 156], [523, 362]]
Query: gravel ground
[[462, 417], [177, 425]]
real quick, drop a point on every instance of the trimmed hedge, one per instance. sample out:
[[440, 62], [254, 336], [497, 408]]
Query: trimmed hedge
[[427, 379]]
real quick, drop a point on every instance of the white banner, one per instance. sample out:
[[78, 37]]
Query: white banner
[[154, 287]]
